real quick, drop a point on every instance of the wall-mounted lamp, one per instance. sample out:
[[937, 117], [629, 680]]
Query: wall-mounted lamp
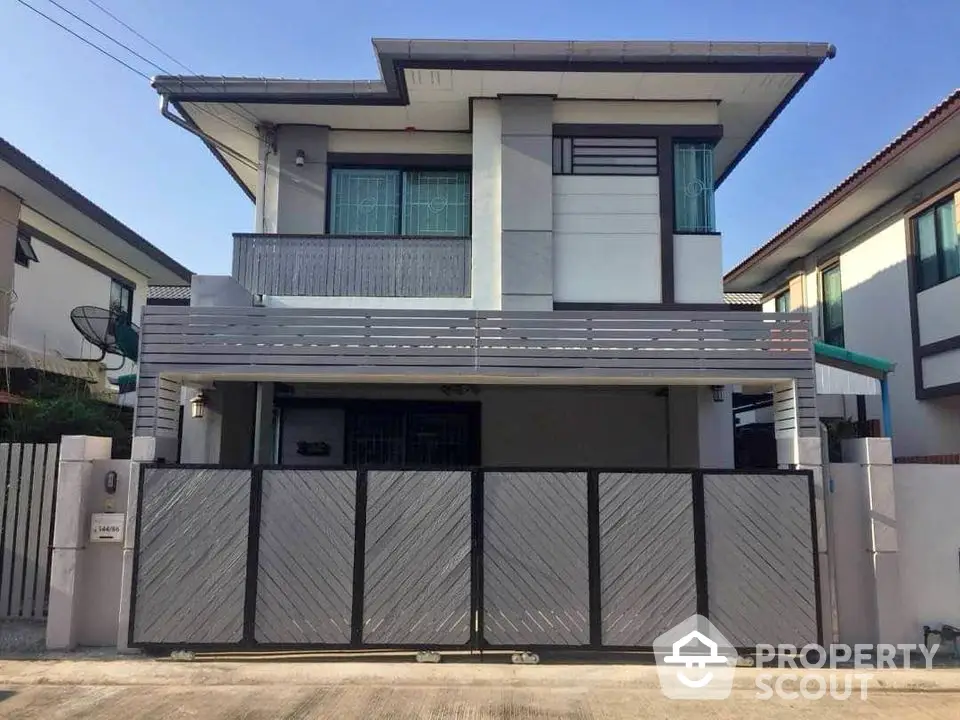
[[197, 404], [301, 158], [718, 393]]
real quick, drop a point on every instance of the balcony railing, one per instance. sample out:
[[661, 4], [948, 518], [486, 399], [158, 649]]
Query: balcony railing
[[340, 265]]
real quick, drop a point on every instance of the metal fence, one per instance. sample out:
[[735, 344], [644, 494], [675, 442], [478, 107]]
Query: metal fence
[[503, 558], [28, 473]]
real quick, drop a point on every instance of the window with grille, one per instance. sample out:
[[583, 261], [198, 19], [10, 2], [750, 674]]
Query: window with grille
[[693, 188], [937, 244], [384, 201]]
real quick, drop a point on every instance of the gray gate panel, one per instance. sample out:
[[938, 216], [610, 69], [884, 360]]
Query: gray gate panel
[[760, 566], [305, 578], [647, 567], [535, 577], [417, 558], [192, 556]]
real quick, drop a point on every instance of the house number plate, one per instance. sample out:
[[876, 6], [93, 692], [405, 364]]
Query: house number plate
[[106, 527]]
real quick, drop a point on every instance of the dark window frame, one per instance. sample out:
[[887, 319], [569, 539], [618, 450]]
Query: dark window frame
[[830, 335], [24, 252], [931, 208], [435, 165], [677, 143], [782, 295], [124, 287]]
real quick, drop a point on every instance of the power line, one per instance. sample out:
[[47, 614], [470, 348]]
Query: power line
[[252, 164], [81, 38], [156, 47], [150, 62], [160, 50]]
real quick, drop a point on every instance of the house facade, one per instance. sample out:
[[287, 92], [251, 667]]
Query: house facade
[[469, 383], [60, 251], [516, 197], [874, 264]]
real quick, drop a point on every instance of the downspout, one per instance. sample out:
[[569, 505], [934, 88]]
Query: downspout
[[180, 122], [885, 406]]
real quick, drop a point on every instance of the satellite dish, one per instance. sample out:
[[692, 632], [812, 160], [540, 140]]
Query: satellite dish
[[108, 330]]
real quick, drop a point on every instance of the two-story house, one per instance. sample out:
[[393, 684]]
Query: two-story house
[[501, 252], [59, 251], [469, 384], [875, 264]]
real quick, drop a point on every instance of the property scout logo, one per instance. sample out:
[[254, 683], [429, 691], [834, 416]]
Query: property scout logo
[[696, 662]]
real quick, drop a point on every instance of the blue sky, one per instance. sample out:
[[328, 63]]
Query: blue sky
[[96, 125]]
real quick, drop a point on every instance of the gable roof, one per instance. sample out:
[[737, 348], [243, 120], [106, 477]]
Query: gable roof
[[921, 149], [50, 196]]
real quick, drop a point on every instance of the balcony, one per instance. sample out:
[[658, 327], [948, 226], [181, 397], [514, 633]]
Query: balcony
[[343, 265]]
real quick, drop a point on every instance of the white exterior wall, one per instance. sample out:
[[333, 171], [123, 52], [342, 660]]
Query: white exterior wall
[[485, 221], [606, 237], [698, 268], [704, 112], [876, 316], [937, 313], [50, 288], [412, 142]]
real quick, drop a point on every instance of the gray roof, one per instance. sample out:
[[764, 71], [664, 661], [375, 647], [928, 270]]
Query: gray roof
[[168, 292], [743, 298]]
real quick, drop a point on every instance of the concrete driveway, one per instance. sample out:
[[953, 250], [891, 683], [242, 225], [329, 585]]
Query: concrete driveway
[[125, 689]]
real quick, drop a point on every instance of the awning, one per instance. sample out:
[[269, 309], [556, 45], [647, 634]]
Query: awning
[[17, 356], [842, 372]]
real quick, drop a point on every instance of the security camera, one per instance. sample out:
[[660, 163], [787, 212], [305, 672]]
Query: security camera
[[301, 158]]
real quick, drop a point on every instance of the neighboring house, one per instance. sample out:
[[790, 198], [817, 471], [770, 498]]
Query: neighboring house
[[506, 195], [876, 264], [59, 251]]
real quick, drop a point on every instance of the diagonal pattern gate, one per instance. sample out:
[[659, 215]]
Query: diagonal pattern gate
[[191, 562], [760, 558], [535, 576], [417, 560], [647, 563], [305, 557]]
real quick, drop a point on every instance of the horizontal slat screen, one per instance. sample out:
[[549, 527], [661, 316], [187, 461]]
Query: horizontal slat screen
[[604, 156]]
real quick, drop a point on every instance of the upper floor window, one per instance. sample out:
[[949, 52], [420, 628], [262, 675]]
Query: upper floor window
[[693, 187], [121, 298], [832, 306], [384, 201], [24, 253], [938, 255], [781, 303]]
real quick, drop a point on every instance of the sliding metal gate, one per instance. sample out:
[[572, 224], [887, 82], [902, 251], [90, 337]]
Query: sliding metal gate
[[507, 558]]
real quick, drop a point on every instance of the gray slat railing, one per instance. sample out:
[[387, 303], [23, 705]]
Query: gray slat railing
[[244, 343], [227, 342], [338, 265]]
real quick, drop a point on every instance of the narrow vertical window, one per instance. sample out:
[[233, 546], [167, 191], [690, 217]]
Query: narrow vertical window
[[937, 247], [782, 302], [693, 188], [832, 292]]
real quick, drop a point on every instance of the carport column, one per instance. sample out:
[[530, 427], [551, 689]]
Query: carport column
[[263, 425], [70, 533], [145, 450], [875, 456]]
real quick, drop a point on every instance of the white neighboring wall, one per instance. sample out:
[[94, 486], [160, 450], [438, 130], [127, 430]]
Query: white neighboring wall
[[698, 268], [606, 237], [50, 288]]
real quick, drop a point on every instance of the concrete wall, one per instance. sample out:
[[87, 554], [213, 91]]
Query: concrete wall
[[9, 220], [607, 239], [485, 221], [928, 498], [698, 268]]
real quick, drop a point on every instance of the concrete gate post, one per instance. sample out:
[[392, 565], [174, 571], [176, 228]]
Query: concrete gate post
[[70, 533]]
